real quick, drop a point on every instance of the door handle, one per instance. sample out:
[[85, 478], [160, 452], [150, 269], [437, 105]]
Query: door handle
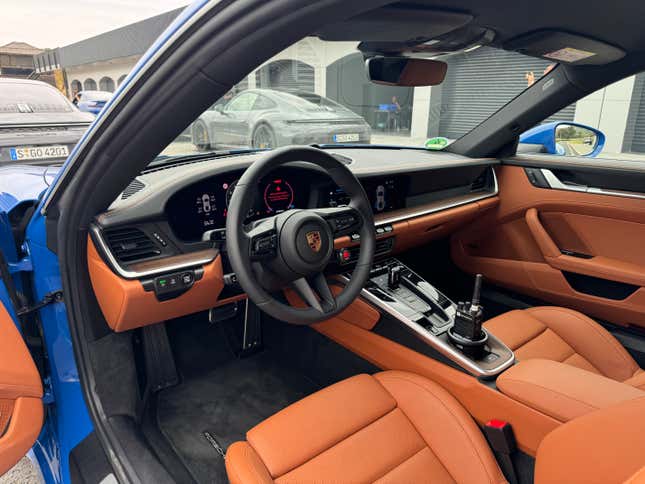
[[544, 241]]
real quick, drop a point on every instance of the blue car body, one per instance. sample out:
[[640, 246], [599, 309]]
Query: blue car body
[[67, 421]]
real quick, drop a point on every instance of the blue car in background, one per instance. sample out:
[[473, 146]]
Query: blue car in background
[[91, 101]]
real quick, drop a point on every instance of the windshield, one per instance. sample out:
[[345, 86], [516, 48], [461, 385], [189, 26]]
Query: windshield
[[31, 97], [317, 92]]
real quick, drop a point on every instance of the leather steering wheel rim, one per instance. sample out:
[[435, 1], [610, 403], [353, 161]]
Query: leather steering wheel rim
[[239, 242]]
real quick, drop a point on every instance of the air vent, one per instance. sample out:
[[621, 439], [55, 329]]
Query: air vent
[[130, 244], [481, 182], [134, 186]]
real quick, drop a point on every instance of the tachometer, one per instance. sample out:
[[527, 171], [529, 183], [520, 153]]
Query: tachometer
[[229, 192], [278, 196]]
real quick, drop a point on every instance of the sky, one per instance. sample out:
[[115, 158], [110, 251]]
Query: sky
[[55, 23]]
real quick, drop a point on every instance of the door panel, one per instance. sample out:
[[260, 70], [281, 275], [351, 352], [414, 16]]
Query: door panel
[[21, 408], [570, 247]]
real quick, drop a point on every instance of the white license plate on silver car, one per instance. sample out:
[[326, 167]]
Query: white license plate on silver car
[[346, 137], [38, 152]]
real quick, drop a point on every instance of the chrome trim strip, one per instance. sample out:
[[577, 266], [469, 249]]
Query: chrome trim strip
[[104, 250], [443, 348], [556, 184], [128, 86], [616, 193], [439, 208]]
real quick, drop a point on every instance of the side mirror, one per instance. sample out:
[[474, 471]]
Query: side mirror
[[405, 71], [566, 139]]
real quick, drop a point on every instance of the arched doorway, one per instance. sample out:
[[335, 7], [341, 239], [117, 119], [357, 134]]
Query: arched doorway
[[286, 74], [75, 86], [121, 79], [347, 84], [89, 84], [106, 84]]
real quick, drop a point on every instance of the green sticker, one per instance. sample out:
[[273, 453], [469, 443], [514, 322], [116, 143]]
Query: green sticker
[[436, 143]]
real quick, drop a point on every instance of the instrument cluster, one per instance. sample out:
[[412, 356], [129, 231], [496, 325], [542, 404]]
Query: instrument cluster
[[203, 206]]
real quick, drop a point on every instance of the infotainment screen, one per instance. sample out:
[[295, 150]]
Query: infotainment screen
[[385, 194]]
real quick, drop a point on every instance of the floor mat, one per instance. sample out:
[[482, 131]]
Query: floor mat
[[225, 403]]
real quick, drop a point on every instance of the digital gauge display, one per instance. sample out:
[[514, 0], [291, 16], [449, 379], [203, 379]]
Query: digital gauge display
[[206, 208], [278, 196], [204, 205]]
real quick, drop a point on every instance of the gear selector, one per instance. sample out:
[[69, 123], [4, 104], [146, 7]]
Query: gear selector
[[453, 330], [467, 333]]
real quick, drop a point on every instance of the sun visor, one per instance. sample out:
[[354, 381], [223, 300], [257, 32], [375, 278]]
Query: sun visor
[[565, 48], [395, 24]]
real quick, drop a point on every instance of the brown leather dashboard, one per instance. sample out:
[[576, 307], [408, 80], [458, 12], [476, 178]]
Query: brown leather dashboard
[[126, 304]]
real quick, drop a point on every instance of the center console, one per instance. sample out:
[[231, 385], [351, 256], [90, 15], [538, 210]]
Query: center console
[[453, 330]]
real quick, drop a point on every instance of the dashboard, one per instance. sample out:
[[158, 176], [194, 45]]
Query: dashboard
[[152, 246], [180, 210], [203, 206]]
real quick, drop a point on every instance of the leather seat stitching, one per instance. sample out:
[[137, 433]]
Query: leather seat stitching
[[406, 460], [613, 343], [429, 392], [531, 339], [565, 361], [331, 446]]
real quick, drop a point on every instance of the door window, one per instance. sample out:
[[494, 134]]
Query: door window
[[243, 102]]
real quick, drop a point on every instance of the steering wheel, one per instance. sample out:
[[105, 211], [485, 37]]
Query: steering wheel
[[292, 249]]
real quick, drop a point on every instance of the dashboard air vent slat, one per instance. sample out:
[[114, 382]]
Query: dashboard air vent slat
[[481, 182], [130, 244], [134, 186]]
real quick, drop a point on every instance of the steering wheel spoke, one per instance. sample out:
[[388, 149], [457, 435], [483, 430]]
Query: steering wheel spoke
[[262, 240], [316, 293], [341, 220]]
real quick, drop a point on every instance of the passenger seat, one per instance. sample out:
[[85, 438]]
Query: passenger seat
[[567, 336]]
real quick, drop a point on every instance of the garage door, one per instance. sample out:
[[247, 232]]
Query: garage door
[[286, 75], [479, 83]]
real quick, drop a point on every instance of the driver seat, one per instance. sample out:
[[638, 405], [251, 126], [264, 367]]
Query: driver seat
[[392, 427]]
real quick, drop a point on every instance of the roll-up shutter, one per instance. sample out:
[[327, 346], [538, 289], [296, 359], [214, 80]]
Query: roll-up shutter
[[286, 75], [480, 82]]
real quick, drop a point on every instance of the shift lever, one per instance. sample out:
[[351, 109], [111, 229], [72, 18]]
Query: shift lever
[[394, 277], [466, 333]]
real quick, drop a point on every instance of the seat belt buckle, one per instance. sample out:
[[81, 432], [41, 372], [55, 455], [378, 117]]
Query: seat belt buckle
[[499, 434]]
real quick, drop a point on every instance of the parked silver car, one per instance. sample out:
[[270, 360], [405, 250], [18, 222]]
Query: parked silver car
[[267, 118]]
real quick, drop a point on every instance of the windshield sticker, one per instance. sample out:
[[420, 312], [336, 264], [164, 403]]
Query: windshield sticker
[[569, 54]]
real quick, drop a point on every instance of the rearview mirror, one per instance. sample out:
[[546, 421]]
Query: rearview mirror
[[405, 71], [566, 139]]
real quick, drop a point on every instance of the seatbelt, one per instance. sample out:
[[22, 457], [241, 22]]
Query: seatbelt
[[501, 439]]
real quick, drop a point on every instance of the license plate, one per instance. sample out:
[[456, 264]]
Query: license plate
[[38, 152], [346, 137]]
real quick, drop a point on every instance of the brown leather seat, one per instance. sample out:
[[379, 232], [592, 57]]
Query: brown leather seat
[[567, 336], [391, 427]]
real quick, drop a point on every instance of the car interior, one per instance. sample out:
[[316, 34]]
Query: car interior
[[367, 314]]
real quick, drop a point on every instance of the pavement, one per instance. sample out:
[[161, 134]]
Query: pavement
[[24, 472]]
